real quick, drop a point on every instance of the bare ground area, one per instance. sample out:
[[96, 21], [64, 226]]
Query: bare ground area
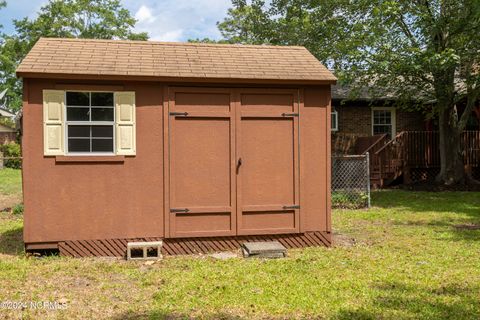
[[7, 202]]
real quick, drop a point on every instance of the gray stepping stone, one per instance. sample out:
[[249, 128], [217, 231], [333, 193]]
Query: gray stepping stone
[[264, 249]]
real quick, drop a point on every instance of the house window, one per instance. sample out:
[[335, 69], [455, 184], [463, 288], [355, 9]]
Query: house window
[[383, 121], [334, 117], [90, 122]]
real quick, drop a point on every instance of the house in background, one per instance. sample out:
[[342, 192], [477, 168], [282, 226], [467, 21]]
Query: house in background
[[7, 133], [365, 117], [402, 145]]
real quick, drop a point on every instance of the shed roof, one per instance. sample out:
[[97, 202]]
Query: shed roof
[[71, 58]]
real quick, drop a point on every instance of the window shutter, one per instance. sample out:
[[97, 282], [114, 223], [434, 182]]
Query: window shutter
[[125, 123], [53, 122]]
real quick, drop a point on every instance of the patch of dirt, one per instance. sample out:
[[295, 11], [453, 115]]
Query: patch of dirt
[[343, 240], [470, 226], [88, 288], [9, 201]]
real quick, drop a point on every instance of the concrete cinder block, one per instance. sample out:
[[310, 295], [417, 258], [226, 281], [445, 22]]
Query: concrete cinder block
[[264, 249], [145, 246]]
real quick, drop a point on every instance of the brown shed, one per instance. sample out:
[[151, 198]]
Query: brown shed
[[202, 145]]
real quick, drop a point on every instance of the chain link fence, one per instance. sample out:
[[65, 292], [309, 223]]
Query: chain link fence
[[351, 182]]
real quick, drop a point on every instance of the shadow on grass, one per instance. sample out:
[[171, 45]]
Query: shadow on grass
[[467, 203], [11, 241], [397, 300], [173, 316], [465, 207], [390, 300], [461, 231]]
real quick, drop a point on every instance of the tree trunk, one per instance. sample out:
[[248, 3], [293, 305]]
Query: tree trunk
[[452, 170]]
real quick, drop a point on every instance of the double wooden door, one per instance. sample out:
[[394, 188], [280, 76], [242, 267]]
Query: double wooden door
[[233, 164]]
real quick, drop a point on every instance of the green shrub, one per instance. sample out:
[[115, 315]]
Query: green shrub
[[18, 209], [349, 199], [11, 149], [7, 122]]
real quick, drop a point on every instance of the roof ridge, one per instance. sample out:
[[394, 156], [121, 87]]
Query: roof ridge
[[193, 44]]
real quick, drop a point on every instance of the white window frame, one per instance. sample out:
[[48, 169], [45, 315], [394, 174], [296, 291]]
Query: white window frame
[[89, 123], [334, 128], [393, 112]]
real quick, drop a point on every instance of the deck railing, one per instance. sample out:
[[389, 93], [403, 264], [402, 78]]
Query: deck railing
[[390, 158], [420, 149], [371, 145], [471, 145]]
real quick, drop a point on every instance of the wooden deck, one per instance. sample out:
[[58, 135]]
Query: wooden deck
[[415, 156]]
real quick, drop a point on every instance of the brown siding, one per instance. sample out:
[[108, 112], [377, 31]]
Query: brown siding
[[123, 197], [314, 159], [78, 201]]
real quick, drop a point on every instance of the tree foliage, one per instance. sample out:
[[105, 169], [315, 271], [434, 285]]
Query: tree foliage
[[99, 19], [315, 24], [426, 51]]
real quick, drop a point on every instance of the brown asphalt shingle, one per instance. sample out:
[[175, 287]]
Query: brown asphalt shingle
[[172, 60]]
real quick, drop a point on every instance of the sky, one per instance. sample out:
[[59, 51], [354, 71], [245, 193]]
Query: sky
[[163, 20]]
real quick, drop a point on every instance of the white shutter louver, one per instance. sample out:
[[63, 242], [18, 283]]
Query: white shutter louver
[[53, 122], [125, 123]]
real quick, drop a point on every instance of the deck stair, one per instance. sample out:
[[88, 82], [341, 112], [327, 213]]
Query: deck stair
[[386, 159], [414, 156]]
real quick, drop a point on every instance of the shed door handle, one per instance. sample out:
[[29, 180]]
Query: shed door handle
[[175, 210], [239, 163]]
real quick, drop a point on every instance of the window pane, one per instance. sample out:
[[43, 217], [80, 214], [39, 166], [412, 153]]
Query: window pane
[[382, 117], [78, 114], [382, 129], [102, 131], [334, 121], [78, 131], [388, 118], [102, 99], [78, 145], [102, 114], [78, 99], [102, 145]]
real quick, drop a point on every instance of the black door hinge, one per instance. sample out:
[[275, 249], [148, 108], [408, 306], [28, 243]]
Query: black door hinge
[[174, 210], [291, 207]]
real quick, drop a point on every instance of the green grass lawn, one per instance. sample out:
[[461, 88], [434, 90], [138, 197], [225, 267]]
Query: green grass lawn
[[413, 255], [10, 181]]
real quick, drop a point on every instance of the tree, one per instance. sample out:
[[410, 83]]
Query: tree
[[99, 19], [2, 5], [422, 50]]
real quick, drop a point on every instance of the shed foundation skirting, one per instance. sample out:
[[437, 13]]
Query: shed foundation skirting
[[182, 246]]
